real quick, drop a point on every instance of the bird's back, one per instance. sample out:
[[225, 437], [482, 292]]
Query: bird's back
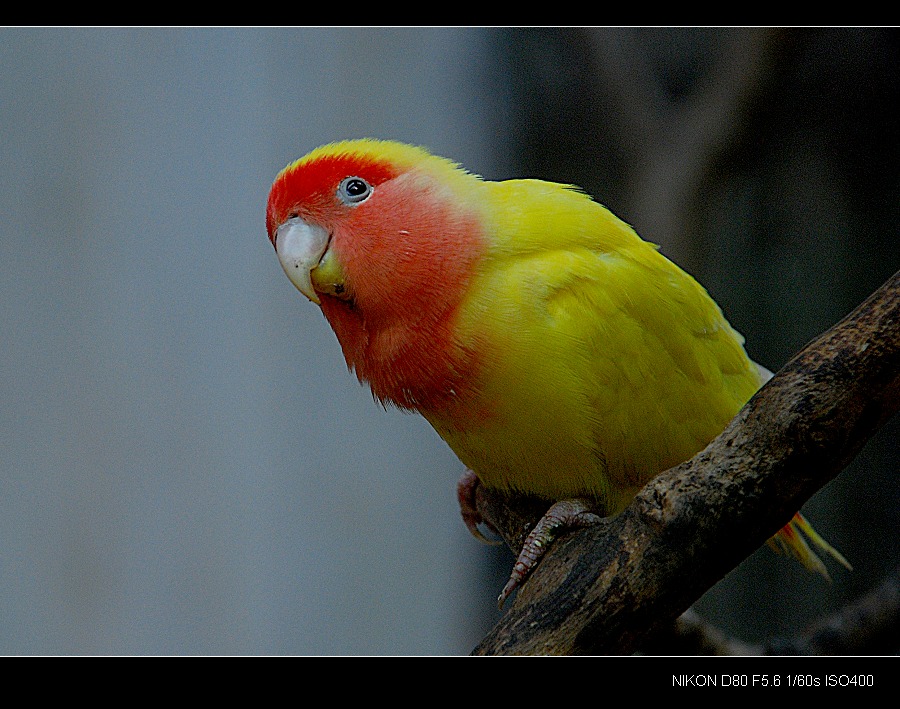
[[605, 363]]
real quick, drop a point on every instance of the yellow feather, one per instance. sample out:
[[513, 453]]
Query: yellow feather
[[607, 364]]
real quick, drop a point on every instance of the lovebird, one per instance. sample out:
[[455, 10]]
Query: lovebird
[[555, 351]]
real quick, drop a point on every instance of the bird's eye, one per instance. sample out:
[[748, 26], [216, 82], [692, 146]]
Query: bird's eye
[[354, 190]]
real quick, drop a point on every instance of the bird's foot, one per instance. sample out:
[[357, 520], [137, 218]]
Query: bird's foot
[[565, 514], [466, 490]]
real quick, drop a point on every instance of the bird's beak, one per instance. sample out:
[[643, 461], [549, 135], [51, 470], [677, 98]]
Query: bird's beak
[[300, 247]]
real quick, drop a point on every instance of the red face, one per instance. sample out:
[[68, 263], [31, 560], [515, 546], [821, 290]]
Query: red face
[[406, 248], [311, 191]]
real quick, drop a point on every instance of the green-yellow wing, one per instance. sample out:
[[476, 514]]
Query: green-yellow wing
[[603, 363]]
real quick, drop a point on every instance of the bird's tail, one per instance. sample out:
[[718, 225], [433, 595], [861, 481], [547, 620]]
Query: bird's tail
[[792, 539]]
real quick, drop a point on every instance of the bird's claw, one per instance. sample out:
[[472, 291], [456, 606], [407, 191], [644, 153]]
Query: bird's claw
[[466, 489], [565, 514]]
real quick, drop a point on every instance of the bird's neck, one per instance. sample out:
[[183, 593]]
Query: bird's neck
[[413, 360]]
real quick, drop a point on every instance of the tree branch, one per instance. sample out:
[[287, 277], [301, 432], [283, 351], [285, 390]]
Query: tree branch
[[868, 626], [691, 635], [604, 589]]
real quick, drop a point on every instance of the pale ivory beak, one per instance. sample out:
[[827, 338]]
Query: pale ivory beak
[[300, 246]]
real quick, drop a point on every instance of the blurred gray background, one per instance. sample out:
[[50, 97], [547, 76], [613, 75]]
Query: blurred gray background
[[186, 465]]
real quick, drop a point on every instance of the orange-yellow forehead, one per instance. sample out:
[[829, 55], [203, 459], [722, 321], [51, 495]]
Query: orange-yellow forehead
[[309, 184]]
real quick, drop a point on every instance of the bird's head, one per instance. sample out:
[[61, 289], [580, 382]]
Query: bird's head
[[385, 237]]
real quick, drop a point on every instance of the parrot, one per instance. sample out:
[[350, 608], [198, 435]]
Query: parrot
[[555, 351]]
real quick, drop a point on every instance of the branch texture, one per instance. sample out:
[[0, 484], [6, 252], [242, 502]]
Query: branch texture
[[604, 589]]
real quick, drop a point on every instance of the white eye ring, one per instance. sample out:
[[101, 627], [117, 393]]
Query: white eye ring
[[354, 190]]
